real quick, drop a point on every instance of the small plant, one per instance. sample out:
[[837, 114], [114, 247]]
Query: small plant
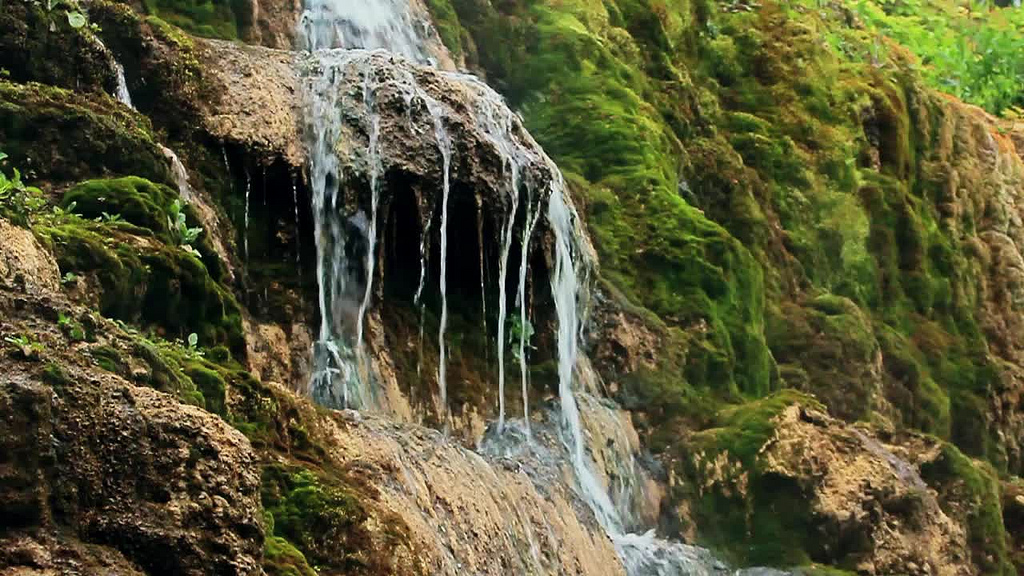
[[193, 341], [69, 278], [519, 331], [26, 346], [71, 328], [18, 201], [111, 218], [182, 234]]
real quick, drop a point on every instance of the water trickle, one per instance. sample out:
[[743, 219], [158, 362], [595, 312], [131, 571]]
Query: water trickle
[[445, 145], [483, 272], [371, 231], [245, 230], [298, 227], [532, 216], [122, 94]]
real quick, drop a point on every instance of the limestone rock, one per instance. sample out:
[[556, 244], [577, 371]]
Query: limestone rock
[[25, 261]]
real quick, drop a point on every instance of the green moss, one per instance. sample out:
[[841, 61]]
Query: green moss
[[224, 19], [59, 135], [136, 200], [323, 520], [280, 558], [108, 358], [448, 27], [211, 384], [41, 46], [772, 512], [969, 491], [148, 282]]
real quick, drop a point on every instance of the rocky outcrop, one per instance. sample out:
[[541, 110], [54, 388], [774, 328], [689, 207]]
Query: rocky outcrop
[[855, 496], [259, 98], [184, 499]]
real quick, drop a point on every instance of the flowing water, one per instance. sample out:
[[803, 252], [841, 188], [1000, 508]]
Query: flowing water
[[346, 256]]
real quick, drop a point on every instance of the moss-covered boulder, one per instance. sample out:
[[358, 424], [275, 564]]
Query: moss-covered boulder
[[807, 489], [142, 279], [61, 136], [38, 44]]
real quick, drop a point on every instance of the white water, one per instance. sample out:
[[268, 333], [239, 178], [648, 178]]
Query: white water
[[122, 94], [445, 145], [532, 215], [245, 231], [370, 24], [334, 379], [388, 24]]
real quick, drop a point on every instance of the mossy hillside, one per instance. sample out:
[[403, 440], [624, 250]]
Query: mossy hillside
[[224, 19], [61, 136], [581, 78], [37, 45], [796, 131]]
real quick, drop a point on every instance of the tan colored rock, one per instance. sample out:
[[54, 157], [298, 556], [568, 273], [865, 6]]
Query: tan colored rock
[[24, 261], [859, 485], [258, 98], [466, 514]]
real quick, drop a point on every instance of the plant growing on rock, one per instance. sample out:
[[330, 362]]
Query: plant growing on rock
[[17, 200], [25, 345], [181, 233]]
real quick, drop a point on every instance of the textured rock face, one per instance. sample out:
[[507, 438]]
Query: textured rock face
[[24, 261], [466, 514], [865, 497], [106, 476], [258, 98]]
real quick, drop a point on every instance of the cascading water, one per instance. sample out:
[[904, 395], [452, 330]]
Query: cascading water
[[532, 216], [346, 247], [444, 143]]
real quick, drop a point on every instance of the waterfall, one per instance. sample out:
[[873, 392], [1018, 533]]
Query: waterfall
[[122, 94], [334, 380], [370, 24], [346, 248]]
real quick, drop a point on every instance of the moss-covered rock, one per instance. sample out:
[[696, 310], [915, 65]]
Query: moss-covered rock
[[40, 45], [60, 136], [146, 280]]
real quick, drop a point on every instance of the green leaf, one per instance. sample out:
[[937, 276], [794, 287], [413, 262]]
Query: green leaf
[[76, 19], [3, 155], [193, 340]]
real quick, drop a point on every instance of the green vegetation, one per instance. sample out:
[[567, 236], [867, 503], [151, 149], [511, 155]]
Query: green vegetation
[[962, 480], [323, 520], [224, 19], [971, 50]]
